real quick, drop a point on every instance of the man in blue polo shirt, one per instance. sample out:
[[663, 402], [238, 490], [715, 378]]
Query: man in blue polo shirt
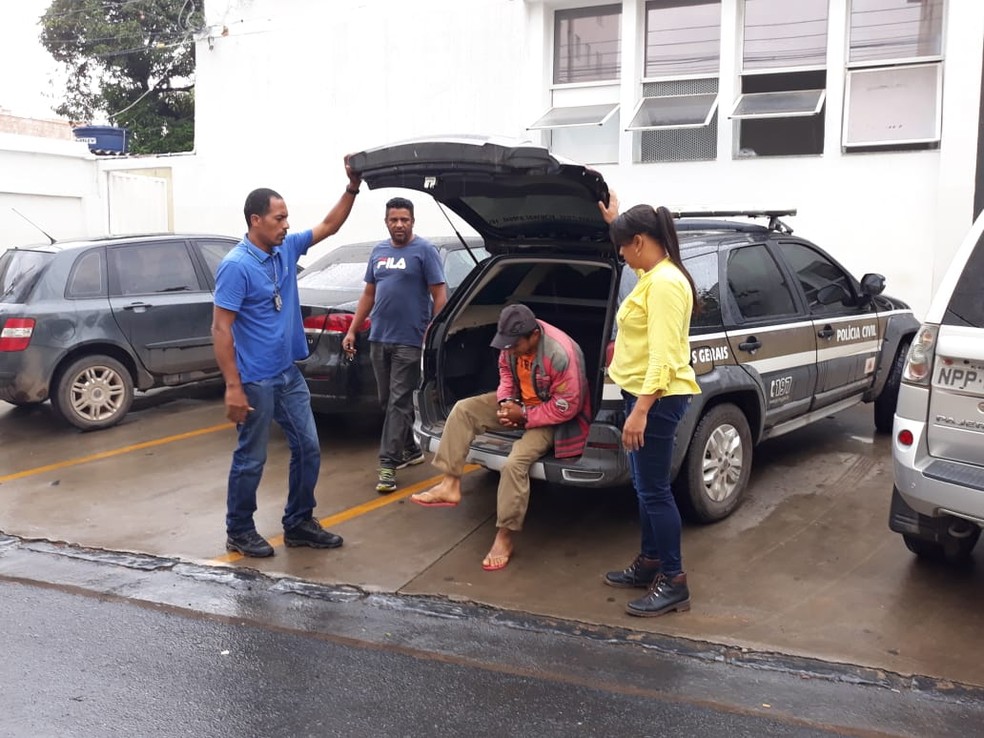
[[258, 336]]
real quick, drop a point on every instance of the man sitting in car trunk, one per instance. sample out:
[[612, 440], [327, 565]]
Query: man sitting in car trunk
[[543, 391]]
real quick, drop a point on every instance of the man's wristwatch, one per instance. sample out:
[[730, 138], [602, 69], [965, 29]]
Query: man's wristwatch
[[352, 190]]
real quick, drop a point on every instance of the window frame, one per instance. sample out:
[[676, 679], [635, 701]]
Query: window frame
[[590, 11], [779, 69], [894, 60], [850, 284], [116, 288], [539, 125], [855, 69], [712, 109], [850, 75], [764, 73], [100, 254], [805, 113], [738, 318]]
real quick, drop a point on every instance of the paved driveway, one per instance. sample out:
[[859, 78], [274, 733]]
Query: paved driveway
[[807, 567]]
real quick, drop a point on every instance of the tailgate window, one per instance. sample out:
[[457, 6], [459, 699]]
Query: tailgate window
[[19, 272], [966, 308]]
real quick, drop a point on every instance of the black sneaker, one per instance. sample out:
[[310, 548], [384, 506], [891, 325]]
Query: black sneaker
[[249, 543], [410, 457], [310, 533], [640, 573]]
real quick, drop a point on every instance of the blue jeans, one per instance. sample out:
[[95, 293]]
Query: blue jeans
[[650, 466], [286, 399]]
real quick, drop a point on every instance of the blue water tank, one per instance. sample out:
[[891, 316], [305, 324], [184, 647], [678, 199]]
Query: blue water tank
[[104, 140]]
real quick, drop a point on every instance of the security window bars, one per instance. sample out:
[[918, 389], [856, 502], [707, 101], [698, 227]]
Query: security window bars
[[680, 143], [587, 44]]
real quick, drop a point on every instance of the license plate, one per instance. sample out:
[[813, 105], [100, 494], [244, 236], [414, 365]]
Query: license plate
[[961, 376]]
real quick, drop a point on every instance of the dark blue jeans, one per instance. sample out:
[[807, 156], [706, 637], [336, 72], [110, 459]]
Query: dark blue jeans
[[286, 399], [650, 465]]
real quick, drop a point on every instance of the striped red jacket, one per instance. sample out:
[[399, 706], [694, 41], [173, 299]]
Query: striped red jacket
[[560, 381]]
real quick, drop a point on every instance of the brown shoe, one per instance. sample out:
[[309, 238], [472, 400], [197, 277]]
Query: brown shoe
[[640, 573], [666, 595]]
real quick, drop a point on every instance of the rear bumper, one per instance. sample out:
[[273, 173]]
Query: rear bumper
[[603, 464], [24, 376], [929, 487]]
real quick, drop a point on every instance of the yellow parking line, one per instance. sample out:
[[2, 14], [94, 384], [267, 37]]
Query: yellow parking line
[[115, 452], [352, 512]]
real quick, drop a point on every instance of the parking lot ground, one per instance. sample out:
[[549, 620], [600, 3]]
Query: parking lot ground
[[806, 567]]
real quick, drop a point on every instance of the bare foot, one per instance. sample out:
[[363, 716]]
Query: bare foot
[[501, 551], [445, 494]]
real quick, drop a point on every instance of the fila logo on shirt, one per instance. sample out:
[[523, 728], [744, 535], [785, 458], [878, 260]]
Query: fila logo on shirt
[[390, 263]]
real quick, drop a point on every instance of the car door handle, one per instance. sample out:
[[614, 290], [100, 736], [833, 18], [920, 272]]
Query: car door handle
[[750, 344], [825, 332], [138, 307]]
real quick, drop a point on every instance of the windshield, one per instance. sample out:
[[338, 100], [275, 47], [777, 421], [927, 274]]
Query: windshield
[[966, 308], [19, 271]]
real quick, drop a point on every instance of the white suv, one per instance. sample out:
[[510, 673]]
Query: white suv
[[938, 436]]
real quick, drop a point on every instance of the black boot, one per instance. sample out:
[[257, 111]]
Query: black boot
[[666, 595], [640, 573]]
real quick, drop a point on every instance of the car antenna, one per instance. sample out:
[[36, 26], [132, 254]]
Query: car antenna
[[460, 237], [47, 235]]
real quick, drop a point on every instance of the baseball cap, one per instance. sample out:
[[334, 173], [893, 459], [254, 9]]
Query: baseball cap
[[515, 321]]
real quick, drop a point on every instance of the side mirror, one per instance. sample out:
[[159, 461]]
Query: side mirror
[[832, 294], [872, 284]]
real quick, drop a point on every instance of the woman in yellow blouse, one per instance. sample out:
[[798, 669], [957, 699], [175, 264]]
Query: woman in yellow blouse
[[651, 364]]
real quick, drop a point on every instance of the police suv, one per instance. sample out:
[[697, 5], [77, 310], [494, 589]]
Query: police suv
[[784, 336]]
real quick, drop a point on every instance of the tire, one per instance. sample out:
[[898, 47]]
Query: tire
[[954, 551], [886, 401], [93, 392], [718, 464]]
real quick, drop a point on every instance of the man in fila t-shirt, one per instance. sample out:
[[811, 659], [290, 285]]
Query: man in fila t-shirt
[[404, 289]]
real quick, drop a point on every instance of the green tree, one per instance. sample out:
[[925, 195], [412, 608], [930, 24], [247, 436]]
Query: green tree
[[132, 61]]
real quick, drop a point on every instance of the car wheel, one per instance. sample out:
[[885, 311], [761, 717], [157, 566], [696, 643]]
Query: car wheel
[[952, 550], [716, 470], [886, 401], [93, 392]]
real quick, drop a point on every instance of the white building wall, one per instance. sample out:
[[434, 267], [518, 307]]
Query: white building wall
[[286, 88], [50, 181]]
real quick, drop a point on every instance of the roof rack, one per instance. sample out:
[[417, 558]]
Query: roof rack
[[773, 215]]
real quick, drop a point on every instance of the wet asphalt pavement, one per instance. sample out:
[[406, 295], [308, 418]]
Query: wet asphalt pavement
[[101, 644]]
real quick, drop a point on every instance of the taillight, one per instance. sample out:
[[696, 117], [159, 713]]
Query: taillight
[[919, 362], [16, 334], [905, 438], [332, 323]]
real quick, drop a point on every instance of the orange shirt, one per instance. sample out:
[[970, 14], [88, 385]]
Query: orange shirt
[[524, 370]]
